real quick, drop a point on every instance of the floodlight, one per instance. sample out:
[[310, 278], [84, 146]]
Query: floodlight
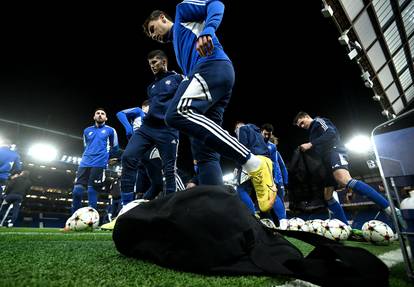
[[385, 113], [376, 98], [327, 11], [353, 54], [43, 152], [344, 39], [359, 144], [367, 81]]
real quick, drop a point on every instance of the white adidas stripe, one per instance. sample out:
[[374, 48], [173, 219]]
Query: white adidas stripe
[[219, 129], [183, 106], [323, 124], [194, 2], [179, 182], [202, 121]]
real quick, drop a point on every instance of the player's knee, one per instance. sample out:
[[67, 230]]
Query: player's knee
[[128, 161], [342, 181]]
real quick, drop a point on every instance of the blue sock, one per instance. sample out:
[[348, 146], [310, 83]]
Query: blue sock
[[279, 208], [245, 197], [337, 210], [77, 197], [366, 190], [127, 197], [92, 197]]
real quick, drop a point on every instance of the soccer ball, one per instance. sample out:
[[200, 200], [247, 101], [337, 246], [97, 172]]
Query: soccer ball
[[83, 219], [377, 232], [297, 224], [315, 226], [283, 224], [335, 229], [131, 205]]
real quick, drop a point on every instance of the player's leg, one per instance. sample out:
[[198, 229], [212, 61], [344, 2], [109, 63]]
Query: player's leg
[[16, 200], [208, 163], [153, 166], [332, 203], [167, 144], [131, 157], [81, 181], [194, 97], [243, 192], [95, 183]]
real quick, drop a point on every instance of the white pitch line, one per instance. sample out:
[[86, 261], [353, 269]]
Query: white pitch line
[[393, 257]]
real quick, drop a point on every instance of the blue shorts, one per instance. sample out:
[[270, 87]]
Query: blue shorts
[[90, 176], [334, 160]]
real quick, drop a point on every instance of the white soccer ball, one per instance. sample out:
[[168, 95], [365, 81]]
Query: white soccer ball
[[131, 205], [283, 224], [315, 226], [377, 232], [83, 219], [297, 224], [335, 229]]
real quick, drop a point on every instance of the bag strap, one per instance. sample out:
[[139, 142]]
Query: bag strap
[[333, 264]]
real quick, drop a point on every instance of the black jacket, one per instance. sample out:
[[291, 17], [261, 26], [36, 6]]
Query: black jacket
[[307, 175], [19, 185]]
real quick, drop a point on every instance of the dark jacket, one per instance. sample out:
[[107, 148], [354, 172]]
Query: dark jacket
[[160, 93], [19, 185], [307, 176]]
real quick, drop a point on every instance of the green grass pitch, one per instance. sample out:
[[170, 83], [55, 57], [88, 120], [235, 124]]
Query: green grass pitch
[[48, 257]]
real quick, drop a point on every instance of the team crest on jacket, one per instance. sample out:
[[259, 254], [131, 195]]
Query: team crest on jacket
[[90, 133], [167, 82]]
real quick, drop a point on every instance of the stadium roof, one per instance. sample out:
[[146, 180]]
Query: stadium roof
[[378, 35]]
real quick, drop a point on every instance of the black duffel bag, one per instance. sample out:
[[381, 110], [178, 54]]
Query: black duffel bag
[[208, 229]]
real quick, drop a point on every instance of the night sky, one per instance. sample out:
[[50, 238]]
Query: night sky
[[60, 62]]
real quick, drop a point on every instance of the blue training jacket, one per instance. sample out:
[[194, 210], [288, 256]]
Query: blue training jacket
[[249, 135], [283, 169], [195, 18], [280, 173], [160, 93], [324, 136], [131, 119], [99, 143], [9, 162]]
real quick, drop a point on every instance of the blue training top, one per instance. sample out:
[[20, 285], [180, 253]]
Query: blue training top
[[324, 136], [195, 18], [99, 143], [131, 119], [280, 174], [160, 94], [9, 162], [249, 135]]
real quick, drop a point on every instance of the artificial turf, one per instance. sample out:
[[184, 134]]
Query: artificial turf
[[48, 257]]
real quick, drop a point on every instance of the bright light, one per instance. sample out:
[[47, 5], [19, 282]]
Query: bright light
[[43, 152], [359, 144]]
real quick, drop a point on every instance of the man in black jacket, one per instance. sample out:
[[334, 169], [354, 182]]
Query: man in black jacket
[[15, 193]]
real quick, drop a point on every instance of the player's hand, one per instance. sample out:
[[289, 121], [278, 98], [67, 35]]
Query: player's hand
[[305, 146], [190, 185], [204, 45], [113, 161]]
